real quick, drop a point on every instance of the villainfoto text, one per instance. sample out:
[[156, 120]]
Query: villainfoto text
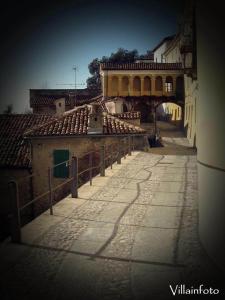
[[200, 290]]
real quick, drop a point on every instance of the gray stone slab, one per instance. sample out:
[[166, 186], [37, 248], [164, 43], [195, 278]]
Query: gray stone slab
[[162, 217], [152, 281], [111, 212], [171, 170], [163, 198], [142, 175], [86, 247], [164, 186], [132, 184], [126, 195], [106, 193], [77, 278], [154, 245], [97, 231], [156, 176]]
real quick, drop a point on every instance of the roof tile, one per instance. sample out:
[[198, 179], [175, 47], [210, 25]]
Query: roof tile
[[14, 151], [76, 122]]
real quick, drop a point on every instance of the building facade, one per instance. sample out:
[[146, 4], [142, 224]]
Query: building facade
[[183, 49], [78, 131], [160, 49], [143, 86], [54, 101]]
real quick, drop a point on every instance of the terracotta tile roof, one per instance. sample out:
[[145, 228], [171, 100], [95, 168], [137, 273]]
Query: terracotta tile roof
[[73, 122], [76, 122], [131, 115], [48, 100], [114, 125], [142, 66], [14, 151]]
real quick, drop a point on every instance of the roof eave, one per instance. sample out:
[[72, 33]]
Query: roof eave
[[83, 135]]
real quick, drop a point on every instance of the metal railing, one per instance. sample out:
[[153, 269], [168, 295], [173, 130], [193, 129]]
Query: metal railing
[[107, 154]]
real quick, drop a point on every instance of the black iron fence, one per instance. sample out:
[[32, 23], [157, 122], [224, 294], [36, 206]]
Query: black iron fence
[[96, 163]]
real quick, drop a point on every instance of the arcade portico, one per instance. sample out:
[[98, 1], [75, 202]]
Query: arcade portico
[[143, 86]]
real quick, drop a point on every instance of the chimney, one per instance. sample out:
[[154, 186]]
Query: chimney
[[96, 119], [60, 107]]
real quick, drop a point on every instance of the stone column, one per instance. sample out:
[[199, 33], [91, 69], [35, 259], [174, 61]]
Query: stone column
[[153, 85], [131, 89], [174, 84], [120, 92], [164, 86], [142, 86], [109, 86], [105, 85]]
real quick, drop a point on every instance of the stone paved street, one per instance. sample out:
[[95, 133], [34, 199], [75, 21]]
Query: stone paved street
[[128, 236]]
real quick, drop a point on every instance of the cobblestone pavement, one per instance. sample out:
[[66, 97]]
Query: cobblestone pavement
[[128, 236]]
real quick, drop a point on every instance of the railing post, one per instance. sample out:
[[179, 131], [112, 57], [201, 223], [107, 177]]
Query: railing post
[[74, 174], [119, 154], [90, 166], [15, 223], [124, 148], [111, 161], [133, 143], [50, 190], [129, 145], [102, 157]]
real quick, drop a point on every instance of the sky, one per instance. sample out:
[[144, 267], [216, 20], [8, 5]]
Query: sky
[[42, 42]]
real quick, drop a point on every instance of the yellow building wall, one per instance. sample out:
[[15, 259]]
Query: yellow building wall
[[174, 110], [144, 84]]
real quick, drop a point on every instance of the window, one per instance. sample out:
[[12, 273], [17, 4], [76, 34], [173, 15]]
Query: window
[[62, 170], [169, 86]]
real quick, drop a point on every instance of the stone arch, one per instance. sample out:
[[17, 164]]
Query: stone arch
[[158, 84], [147, 84], [137, 84], [125, 84], [115, 84], [169, 84], [170, 111]]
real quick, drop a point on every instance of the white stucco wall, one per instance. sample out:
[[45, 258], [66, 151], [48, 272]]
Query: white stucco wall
[[159, 52], [211, 128]]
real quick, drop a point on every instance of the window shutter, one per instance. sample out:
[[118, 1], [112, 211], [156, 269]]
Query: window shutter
[[59, 156]]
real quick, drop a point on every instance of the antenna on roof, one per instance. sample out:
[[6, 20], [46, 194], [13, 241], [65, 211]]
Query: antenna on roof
[[75, 84]]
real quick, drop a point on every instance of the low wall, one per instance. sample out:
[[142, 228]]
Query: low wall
[[43, 158]]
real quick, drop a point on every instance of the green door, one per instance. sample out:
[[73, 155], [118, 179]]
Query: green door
[[62, 170]]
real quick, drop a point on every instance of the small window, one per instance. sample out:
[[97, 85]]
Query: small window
[[60, 104], [169, 86], [61, 170]]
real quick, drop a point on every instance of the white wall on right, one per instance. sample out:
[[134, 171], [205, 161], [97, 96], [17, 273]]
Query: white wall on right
[[211, 128]]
